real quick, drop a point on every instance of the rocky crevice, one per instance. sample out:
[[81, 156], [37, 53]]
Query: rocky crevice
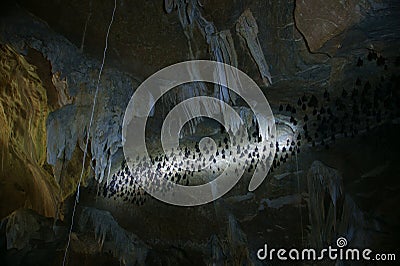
[[24, 109]]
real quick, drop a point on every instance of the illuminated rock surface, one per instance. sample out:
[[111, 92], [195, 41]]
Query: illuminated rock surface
[[329, 69]]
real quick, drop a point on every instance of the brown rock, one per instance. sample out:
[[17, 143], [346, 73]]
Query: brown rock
[[320, 21]]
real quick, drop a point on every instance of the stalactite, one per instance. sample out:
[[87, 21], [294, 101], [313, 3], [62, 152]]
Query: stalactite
[[76, 71], [223, 50], [247, 28], [220, 43], [126, 246], [221, 46]]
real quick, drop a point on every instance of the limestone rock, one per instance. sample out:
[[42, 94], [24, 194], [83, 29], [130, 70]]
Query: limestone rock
[[320, 21]]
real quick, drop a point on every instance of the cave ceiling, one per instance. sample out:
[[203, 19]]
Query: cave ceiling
[[330, 72]]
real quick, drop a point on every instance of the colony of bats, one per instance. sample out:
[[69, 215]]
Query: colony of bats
[[318, 120]]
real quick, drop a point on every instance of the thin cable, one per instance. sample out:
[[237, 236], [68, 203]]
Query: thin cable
[[88, 133], [298, 189]]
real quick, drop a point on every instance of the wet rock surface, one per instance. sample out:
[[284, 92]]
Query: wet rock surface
[[26, 178], [328, 68]]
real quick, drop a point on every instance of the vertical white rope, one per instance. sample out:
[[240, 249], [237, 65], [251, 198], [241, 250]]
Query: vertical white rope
[[298, 189], [88, 133]]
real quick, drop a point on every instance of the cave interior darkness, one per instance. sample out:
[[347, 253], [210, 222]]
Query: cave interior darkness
[[68, 69]]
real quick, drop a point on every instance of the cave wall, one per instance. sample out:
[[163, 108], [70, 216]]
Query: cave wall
[[303, 51], [49, 76], [26, 179], [298, 38]]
